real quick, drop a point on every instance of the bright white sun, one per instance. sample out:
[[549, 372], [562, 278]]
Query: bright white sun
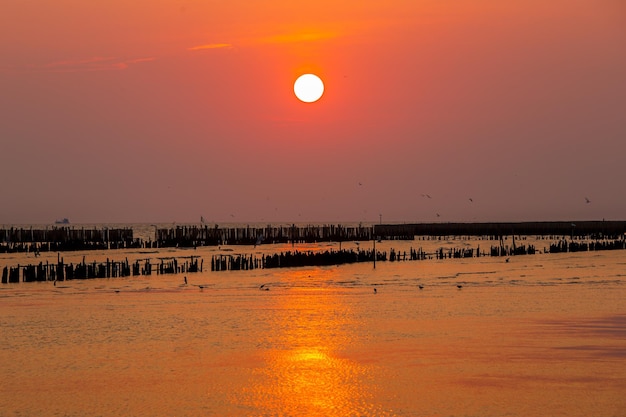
[[308, 88]]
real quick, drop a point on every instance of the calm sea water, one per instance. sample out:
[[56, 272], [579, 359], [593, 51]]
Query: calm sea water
[[542, 334]]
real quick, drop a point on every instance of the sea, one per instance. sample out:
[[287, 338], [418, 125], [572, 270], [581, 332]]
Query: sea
[[526, 335]]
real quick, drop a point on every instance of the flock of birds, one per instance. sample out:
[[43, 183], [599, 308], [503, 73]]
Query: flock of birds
[[265, 287], [423, 195]]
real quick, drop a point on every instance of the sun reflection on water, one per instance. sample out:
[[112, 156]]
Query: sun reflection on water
[[303, 372]]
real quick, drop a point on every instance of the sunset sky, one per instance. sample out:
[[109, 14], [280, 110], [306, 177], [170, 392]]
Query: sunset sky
[[168, 110]]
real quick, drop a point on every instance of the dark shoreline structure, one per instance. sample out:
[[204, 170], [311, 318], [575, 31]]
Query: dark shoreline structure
[[594, 229], [193, 236], [61, 239]]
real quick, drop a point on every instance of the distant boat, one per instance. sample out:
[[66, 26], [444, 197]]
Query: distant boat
[[65, 220]]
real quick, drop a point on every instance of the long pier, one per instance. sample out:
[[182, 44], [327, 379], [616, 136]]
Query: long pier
[[613, 229]]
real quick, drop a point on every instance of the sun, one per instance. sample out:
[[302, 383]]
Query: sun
[[308, 88]]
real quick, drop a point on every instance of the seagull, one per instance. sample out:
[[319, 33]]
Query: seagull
[[459, 286], [421, 286], [264, 288], [587, 200], [438, 215], [375, 290], [471, 201], [507, 259]]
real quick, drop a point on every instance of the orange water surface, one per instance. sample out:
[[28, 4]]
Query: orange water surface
[[540, 335]]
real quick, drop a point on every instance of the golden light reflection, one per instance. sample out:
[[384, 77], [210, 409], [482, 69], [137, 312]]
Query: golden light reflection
[[304, 372]]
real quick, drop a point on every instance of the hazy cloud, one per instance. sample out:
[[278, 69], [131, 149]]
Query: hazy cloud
[[298, 37], [211, 46], [272, 39]]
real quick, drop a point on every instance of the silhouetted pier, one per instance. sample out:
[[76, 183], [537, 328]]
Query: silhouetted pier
[[593, 229]]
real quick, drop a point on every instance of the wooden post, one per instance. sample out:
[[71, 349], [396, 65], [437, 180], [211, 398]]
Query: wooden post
[[374, 240]]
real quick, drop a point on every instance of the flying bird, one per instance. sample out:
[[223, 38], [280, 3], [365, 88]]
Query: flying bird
[[587, 200]]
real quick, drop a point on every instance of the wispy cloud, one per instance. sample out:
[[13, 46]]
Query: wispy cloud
[[211, 46], [288, 37]]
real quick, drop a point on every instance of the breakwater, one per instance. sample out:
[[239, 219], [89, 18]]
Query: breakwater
[[60, 271], [59, 239], [593, 229]]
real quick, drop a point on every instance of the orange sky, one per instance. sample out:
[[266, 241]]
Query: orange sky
[[162, 111]]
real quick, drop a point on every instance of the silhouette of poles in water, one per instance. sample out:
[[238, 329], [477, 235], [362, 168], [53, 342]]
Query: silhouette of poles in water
[[64, 239], [194, 236], [289, 259], [61, 271], [59, 239], [235, 262]]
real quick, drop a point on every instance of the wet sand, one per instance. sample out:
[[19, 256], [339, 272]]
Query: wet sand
[[539, 335]]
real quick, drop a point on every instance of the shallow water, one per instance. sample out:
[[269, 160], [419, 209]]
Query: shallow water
[[538, 335]]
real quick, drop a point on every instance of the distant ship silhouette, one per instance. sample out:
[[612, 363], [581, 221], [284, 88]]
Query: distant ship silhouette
[[64, 220]]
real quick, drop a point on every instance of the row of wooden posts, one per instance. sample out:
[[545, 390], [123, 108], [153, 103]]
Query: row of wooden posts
[[65, 239], [60, 271], [233, 262], [192, 236]]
